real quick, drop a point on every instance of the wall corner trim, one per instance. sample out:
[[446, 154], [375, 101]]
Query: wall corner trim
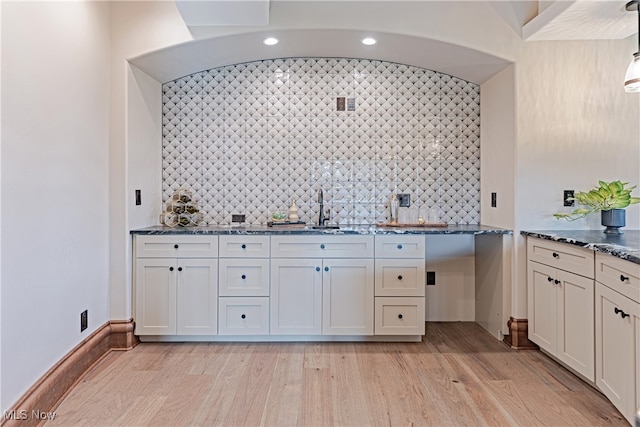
[[47, 393], [518, 338]]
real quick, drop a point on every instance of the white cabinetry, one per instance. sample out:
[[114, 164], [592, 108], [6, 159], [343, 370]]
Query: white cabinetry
[[244, 285], [176, 285], [618, 332], [322, 285], [560, 303], [399, 284]]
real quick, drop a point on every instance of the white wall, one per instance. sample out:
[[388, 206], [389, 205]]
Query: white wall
[[54, 243], [137, 27], [575, 125]]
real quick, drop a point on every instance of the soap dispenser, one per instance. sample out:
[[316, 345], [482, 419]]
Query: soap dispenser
[[293, 212]]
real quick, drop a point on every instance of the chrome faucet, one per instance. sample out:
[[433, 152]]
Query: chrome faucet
[[322, 219]]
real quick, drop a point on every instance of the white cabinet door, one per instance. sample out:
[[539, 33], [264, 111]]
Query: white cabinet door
[[541, 294], [399, 277], [244, 277], [296, 296], [575, 316], [616, 317], [155, 303], [347, 293], [243, 316], [197, 297]]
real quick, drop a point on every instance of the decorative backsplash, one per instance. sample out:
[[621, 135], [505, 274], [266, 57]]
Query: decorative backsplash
[[250, 138]]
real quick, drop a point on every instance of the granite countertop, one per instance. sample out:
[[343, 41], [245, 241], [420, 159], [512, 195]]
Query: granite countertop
[[356, 229], [625, 246]]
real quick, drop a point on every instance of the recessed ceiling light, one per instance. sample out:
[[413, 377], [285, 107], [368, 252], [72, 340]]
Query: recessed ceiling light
[[270, 41], [368, 41]]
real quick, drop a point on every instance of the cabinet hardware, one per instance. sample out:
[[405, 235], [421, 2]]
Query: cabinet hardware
[[399, 277], [243, 246], [326, 269], [399, 246], [549, 279], [179, 268], [244, 276], [399, 316], [555, 255], [622, 313], [557, 282], [317, 268], [170, 268], [322, 246], [623, 278], [243, 316], [176, 246]]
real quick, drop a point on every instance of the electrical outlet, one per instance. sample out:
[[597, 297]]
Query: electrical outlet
[[138, 197], [494, 200], [238, 218], [84, 320], [404, 200], [431, 278], [568, 194]]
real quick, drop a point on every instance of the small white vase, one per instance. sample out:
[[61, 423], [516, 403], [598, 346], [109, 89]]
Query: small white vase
[[293, 212]]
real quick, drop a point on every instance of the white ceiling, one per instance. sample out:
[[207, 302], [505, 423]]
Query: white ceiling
[[582, 20], [558, 20]]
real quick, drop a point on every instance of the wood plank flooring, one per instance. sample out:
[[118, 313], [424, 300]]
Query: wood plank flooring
[[458, 375]]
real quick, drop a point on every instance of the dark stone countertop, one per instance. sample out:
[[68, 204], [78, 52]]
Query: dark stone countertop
[[356, 229], [625, 246]]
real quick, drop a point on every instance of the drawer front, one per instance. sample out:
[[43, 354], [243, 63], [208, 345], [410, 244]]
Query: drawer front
[[243, 277], [243, 316], [560, 255], [176, 246], [399, 316], [400, 277], [244, 246], [400, 246], [321, 246], [620, 275]]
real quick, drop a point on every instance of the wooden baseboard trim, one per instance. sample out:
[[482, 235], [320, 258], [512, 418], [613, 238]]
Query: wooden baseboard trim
[[518, 337], [43, 396], [122, 337]]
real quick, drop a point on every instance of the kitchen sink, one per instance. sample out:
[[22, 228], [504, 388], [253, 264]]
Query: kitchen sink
[[325, 227]]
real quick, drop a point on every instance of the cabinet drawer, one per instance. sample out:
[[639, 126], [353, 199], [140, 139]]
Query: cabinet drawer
[[243, 277], [244, 246], [399, 246], [176, 246], [243, 316], [321, 246], [619, 275], [560, 255], [399, 277], [399, 316]]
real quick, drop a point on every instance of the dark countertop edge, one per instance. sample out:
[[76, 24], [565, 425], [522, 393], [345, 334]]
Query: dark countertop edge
[[373, 230], [627, 253]]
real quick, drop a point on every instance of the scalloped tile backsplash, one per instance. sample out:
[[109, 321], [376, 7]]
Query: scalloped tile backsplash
[[249, 138]]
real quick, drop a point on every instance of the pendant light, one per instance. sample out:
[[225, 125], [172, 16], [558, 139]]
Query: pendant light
[[632, 77]]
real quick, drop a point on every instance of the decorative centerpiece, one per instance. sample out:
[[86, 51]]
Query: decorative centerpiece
[[609, 198], [182, 210]]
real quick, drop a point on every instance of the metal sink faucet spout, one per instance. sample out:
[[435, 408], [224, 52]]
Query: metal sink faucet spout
[[321, 217]]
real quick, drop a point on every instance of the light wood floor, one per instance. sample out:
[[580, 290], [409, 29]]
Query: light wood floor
[[458, 376]]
